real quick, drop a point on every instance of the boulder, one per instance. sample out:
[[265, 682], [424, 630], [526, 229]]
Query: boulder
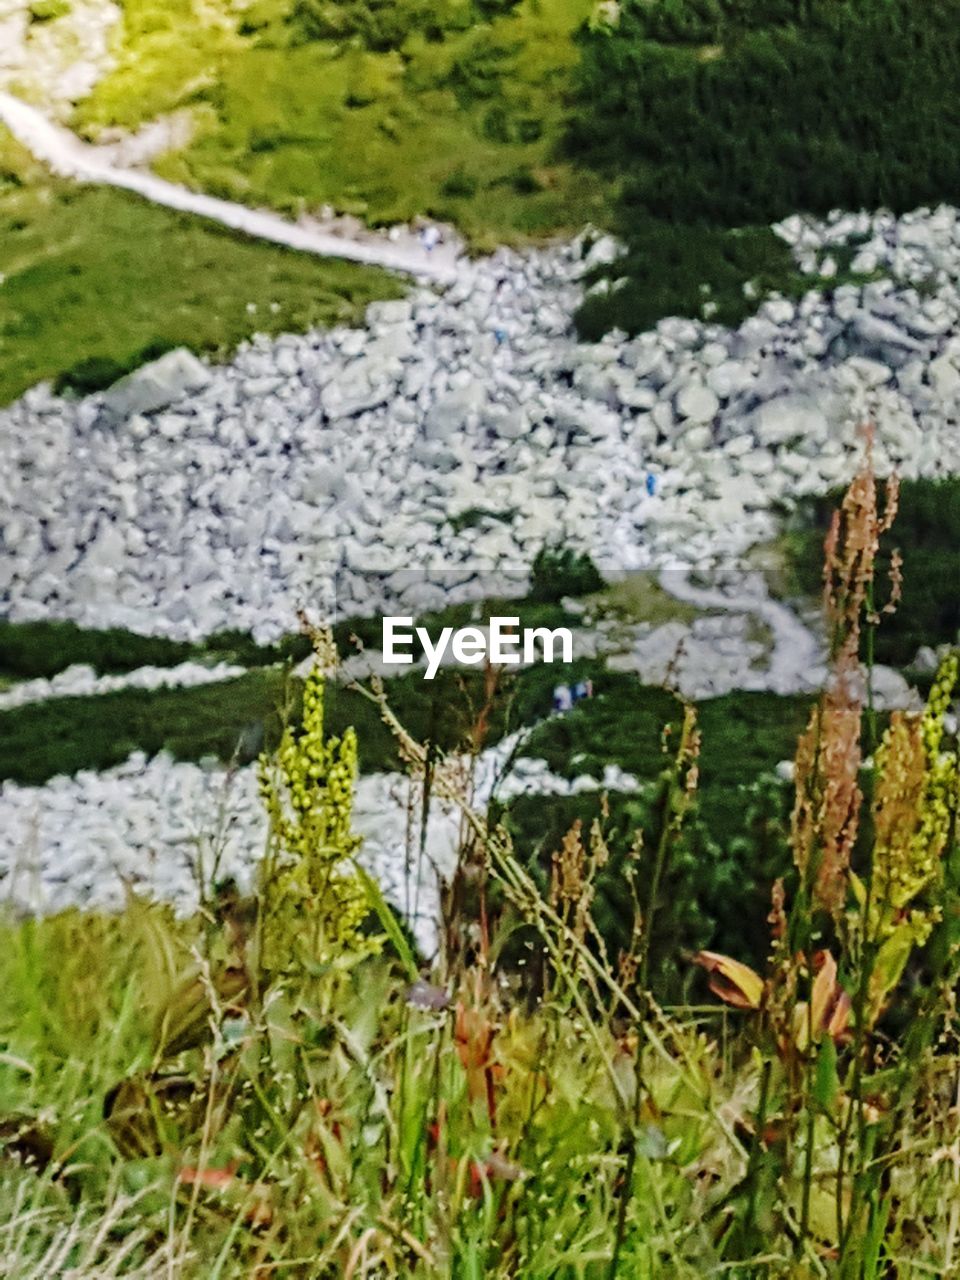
[[602, 253], [780, 310], [697, 440], [508, 424], [944, 378], [450, 412], [395, 311], [154, 386], [108, 549], [392, 344], [366, 383], [878, 339], [758, 462], [729, 378], [587, 420], [696, 402], [435, 455], [787, 418]]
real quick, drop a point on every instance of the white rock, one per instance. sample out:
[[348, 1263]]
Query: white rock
[[696, 402], [730, 378], [791, 417], [603, 252], [395, 311], [449, 414], [944, 378], [155, 385]]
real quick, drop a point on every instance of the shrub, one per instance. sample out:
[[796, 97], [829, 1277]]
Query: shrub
[[30, 650], [93, 373], [711, 115], [525, 182], [560, 571], [382, 25], [63, 735], [459, 183], [476, 73], [675, 269]]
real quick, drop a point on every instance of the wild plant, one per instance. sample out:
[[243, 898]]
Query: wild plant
[[874, 841], [282, 1085]]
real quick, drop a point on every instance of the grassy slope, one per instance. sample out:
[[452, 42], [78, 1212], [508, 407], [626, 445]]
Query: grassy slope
[[93, 273], [483, 113], [79, 999], [471, 128], [464, 128]]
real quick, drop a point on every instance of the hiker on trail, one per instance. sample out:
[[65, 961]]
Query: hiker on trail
[[562, 698], [583, 689], [651, 484], [430, 238]]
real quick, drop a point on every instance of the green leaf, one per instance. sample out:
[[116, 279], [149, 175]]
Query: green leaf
[[389, 921], [889, 965], [652, 1143], [879, 1217], [859, 889], [826, 1081]]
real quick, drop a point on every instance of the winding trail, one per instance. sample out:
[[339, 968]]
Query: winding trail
[[797, 657], [797, 660], [71, 157]]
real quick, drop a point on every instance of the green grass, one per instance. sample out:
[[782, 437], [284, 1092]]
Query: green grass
[[30, 650], [638, 598], [230, 1094], [455, 113], [63, 735], [94, 274], [321, 1102]]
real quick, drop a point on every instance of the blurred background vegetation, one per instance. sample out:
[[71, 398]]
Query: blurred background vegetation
[[685, 126]]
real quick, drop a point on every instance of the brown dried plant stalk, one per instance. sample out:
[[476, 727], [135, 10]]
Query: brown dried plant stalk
[[828, 798]]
